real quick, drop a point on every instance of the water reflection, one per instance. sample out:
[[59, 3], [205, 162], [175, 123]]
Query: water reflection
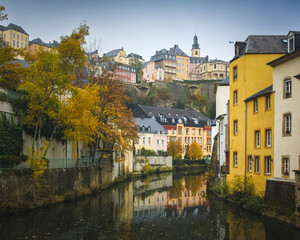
[[161, 207]]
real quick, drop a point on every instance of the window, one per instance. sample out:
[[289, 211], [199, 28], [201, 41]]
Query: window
[[268, 165], [14, 35], [255, 106], [215, 66], [268, 138], [144, 141], [199, 131], [287, 88], [268, 102], [179, 130], [172, 130], [257, 139], [157, 141], [187, 131], [235, 124], [22, 38], [235, 159], [291, 44], [250, 163], [208, 140], [14, 44], [193, 131], [257, 164], [17, 36], [286, 166], [149, 141], [235, 73], [287, 124], [162, 142], [235, 96]]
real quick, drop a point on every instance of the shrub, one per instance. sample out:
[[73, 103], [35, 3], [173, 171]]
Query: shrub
[[241, 186], [147, 152], [11, 160]]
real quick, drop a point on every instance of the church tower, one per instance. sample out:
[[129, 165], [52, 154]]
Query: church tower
[[195, 47]]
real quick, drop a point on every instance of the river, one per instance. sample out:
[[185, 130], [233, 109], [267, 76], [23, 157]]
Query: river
[[164, 206]]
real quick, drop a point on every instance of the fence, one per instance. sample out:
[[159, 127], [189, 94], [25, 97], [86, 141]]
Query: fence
[[57, 163]]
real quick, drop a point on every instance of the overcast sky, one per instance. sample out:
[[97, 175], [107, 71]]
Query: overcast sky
[[144, 26]]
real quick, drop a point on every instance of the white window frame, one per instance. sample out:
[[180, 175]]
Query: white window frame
[[287, 123], [235, 155], [144, 140], [257, 139], [268, 99], [255, 105], [235, 124], [268, 165], [235, 97], [257, 164], [250, 162], [286, 166], [287, 88], [269, 138], [149, 141]]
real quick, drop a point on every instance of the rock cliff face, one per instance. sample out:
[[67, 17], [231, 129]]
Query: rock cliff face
[[197, 95]]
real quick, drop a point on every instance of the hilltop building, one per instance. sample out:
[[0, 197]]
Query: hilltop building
[[213, 70], [181, 124], [37, 43], [152, 72], [14, 35]]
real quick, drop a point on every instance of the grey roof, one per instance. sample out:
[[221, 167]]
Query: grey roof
[[40, 42], [144, 64], [263, 92], [23, 63], [135, 55], [113, 53], [285, 58], [224, 82], [177, 51], [149, 122], [198, 59], [16, 28], [2, 28], [262, 44], [158, 66], [170, 114]]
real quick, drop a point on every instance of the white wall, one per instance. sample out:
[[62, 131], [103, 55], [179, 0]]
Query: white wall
[[288, 145]]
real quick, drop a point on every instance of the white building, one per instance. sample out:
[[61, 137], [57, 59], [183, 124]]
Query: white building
[[222, 97], [286, 84]]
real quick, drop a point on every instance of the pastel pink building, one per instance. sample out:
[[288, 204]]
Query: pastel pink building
[[152, 72]]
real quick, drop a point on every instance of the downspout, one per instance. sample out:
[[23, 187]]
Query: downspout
[[219, 150], [245, 138]]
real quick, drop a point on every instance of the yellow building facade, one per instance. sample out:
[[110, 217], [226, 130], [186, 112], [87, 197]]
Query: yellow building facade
[[252, 109]]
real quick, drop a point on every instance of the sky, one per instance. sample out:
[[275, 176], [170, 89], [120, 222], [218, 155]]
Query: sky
[[145, 26]]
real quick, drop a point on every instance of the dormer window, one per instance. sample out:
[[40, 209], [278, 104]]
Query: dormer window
[[162, 118], [291, 45], [149, 129], [173, 120], [143, 128], [185, 120]]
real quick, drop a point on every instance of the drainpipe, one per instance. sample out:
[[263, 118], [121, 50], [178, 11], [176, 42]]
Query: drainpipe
[[245, 138], [219, 155]]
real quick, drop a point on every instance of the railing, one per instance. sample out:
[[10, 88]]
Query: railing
[[57, 163]]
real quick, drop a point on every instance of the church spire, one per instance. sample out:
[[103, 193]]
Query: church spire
[[196, 44]]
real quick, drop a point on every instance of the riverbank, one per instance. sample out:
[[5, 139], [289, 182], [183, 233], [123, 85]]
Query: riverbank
[[257, 205]]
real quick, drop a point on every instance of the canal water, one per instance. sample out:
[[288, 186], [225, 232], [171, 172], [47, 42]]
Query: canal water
[[159, 207]]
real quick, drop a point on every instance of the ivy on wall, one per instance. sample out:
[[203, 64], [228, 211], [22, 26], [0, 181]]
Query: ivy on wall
[[11, 141]]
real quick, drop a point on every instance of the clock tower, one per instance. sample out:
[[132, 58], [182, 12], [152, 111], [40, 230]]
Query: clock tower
[[195, 47]]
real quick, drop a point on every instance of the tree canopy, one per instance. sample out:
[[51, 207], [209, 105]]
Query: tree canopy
[[194, 151], [175, 148]]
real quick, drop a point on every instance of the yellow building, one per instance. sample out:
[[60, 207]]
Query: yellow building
[[182, 63], [14, 35], [167, 61], [213, 70], [249, 79], [117, 55], [37, 43], [181, 124]]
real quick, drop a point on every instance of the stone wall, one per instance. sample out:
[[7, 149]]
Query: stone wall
[[280, 191], [19, 191], [155, 162], [297, 198]]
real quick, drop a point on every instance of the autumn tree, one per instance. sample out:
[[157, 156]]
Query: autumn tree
[[137, 65], [116, 126], [175, 148], [46, 85], [194, 151]]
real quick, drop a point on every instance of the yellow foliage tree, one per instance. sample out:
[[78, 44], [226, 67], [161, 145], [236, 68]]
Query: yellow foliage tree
[[175, 148], [194, 151]]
